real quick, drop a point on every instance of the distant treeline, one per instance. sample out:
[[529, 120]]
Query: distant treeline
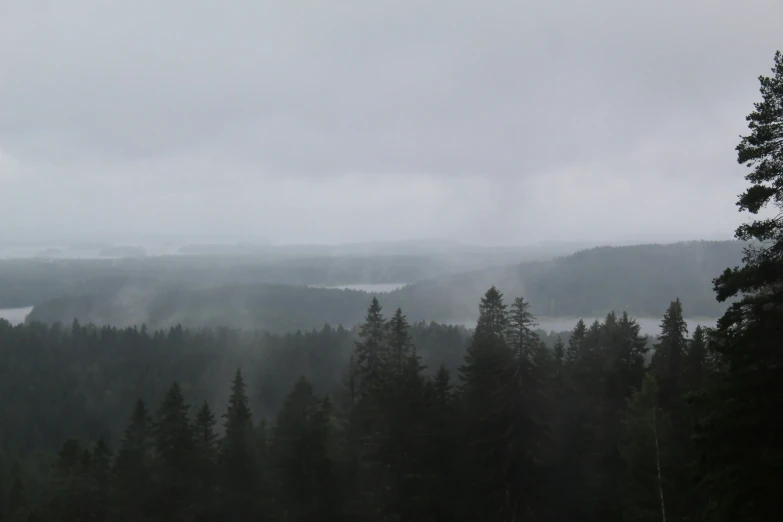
[[590, 283]]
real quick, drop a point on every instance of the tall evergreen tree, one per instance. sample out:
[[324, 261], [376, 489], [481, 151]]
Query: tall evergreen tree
[[241, 485], [70, 488], [400, 346], [645, 453], [174, 462], [744, 397], [132, 467], [520, 333], [372, 356], [497, 462], [302, 469], [206, 449], [669, 354], [575, 342], [99, 493], [559, 352], [695, 361]]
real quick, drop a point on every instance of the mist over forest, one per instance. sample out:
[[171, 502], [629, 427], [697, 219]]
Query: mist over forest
[[391, 261]]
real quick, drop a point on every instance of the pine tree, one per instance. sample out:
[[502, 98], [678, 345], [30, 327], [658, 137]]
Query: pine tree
[[132, 467], [241, 485], [740, 434]]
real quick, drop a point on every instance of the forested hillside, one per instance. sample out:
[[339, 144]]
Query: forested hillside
[[590, 283]]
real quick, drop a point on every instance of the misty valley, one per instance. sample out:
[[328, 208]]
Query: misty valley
[[391, 261]]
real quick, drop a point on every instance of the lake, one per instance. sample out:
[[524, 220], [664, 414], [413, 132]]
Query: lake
[[647, 325], [15, 315], [373, 288]]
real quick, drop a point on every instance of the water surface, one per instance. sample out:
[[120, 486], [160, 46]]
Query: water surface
[[372, 288], [15, 315]]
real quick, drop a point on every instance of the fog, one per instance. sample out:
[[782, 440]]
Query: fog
[[494, 123]]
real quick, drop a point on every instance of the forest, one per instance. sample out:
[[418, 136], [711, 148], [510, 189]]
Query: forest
[[231, 292], [401, 420]]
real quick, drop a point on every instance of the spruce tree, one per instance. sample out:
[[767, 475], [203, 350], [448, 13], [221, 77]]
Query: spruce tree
[[302, 470], [559, 352], [695, 361], [206, 452], [70, 488], [440, 456], [173, 466], [372, 357], [132, 467], [575, 342], [242, 490], [99, 493], [520, 333], [496, 462], [400, 346], [669, 354]]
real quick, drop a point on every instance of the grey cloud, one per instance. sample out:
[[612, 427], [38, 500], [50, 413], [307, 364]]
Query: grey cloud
[[221, 115]]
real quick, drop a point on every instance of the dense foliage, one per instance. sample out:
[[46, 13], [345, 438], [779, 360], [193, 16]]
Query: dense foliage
[[365, 431]]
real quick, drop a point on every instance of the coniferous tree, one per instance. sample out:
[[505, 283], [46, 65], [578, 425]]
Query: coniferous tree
[[496, 462], [69, 483], [574, 351], [372, 356], [242, 489], [99, 493], [520, 333], [132, 468], [669, 354], [173, 466], [440, 456], [645, 453], [695, 361], [740, 433], [206, 450], [400, 346], [302, 469], [262, 445], [559, 352]]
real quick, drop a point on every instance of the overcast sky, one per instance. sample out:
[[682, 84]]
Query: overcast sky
[[314, 121]]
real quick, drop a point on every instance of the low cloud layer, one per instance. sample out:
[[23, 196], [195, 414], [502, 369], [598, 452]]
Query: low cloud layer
[[495, 122]]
